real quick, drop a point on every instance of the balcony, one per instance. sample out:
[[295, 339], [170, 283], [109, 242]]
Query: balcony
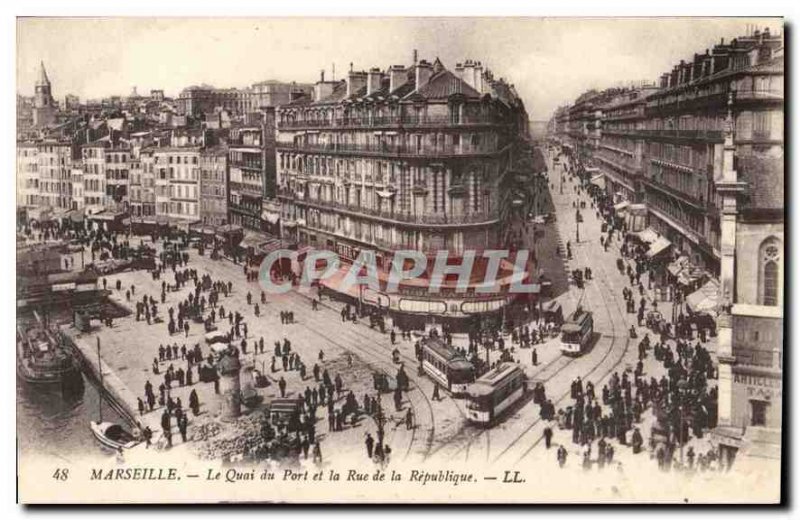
[[759, 95], [396, 216], [685, 101], [697, 203], [394, 122], [628, 167], [395, 150], [709, 135]]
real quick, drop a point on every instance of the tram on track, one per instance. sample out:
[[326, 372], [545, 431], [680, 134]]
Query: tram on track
[[494, 392], [576, 333], [446, 366]]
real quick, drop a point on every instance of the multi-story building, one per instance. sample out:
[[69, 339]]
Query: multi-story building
[[246, 173], [410, 158], [24, 114], [27, 174], [708, 151], [684, 145], [558, 127], [54, 168], [751, 194], [213, 189], [273, 93], [177, 183], [78, 201], [584, 124], [118, 159], [94, 176], [204, 99], [621, 150], [144, 205]]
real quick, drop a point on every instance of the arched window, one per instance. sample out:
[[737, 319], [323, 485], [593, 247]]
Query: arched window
[[770, 272]]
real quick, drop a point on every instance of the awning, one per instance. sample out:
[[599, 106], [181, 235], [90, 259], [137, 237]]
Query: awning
[[660, 245], [77, 216], [106, 215], [647, 235], [678, 265], [385, 193], [690, 274], [270, 216], [599, 181], [229, 228], [253, 239], [705, 299], [272, 245], [622, 206]]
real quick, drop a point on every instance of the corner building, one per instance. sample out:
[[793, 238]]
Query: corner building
[[408, 158]]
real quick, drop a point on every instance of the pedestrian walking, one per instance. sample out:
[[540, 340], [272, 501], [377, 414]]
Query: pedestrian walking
[[548, 436], [369, 443]]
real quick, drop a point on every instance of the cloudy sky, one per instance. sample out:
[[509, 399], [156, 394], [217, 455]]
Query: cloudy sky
[[550, 61]]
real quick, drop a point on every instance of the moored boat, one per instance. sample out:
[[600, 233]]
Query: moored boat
[[42, 357], [112, 435]]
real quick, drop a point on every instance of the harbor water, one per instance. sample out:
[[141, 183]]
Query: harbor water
[[50, 423]]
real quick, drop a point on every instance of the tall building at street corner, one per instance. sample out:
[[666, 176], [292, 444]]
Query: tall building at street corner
[[707, 148], [751, 193], [413, 157], [251, 172], [685, 139]]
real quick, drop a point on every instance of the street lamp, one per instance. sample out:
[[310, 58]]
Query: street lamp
[[578, 219]]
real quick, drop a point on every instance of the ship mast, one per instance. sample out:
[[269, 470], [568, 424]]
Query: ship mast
[[100, 370]]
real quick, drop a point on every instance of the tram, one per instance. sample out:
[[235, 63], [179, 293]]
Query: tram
[[446, 366], [494, 392], [576, 333]]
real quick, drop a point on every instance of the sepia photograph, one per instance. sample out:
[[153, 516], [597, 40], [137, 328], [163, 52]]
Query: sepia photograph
[[407, 260]]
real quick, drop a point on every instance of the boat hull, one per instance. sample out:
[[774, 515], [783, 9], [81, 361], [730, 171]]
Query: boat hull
[[99, 432]]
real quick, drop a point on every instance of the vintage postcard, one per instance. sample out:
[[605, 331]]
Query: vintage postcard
[[400, 260]]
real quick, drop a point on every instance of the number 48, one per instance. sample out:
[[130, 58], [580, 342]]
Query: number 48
[[61, 474]]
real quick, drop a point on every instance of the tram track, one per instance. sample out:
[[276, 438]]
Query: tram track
[[371, 358], [586, 375], [376, 360], [597, 366]]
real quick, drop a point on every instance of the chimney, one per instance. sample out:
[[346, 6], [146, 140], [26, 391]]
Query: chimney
[[469, 73], [478, 78], [355, 82], [397, 77], [373, 80], [423, 73], [459, 71], [323, 88]]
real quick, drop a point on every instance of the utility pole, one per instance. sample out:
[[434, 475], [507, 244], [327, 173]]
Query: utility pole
[[100, 371]]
